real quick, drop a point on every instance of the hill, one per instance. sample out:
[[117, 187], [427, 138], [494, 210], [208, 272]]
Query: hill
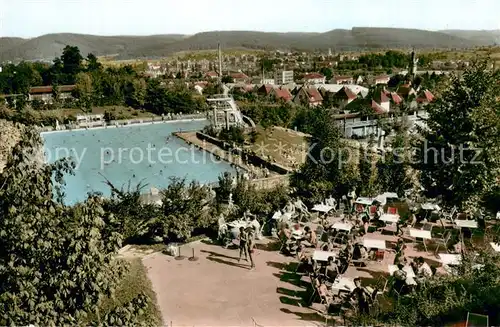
[[127, 47], [491, 37]]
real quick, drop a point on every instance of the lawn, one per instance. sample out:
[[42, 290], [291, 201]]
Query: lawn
[[285, 147]]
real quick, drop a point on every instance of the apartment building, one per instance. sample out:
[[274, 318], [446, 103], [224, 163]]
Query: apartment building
[[282, 77]]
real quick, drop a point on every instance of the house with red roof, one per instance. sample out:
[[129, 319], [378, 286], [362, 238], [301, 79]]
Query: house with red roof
[[211, 74], [314, 78], [395, 98], [344, 96], [338, 79], [281, 94], [239, 77], [381, 103], [425, 97], [382, 79], [265, 89], [308, 95], [405, 91]]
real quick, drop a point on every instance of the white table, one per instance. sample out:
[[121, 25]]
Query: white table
[[374, 244], [322, 208], [323, 255], [342, 226], [450, 259], [410, 274], [343, 284], [420, 233], [364, 201], [495, 246], [390, 218], [430, 206], [466, 223]]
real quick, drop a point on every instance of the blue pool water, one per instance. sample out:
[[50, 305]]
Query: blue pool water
[[140, 153]]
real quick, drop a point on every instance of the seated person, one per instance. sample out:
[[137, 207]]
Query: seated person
[[305, 259], [323, 291], [365, 219], [423, 268], [311, 240], [331, 270], [399, 278], [400, 253], [285, 234]]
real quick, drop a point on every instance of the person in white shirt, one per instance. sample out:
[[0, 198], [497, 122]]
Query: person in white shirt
[[423, 268]]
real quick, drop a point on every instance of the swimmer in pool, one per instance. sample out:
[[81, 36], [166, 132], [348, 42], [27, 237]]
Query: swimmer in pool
[[133, 176]]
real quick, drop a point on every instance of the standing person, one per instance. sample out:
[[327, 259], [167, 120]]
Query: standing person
[[362, 297], [250, 247], [243, 238]]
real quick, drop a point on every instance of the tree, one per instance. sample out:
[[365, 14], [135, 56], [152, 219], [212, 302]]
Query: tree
[[71, 63], [330, 165], [367, 185], [83, 90], [460, 152], [227, 79], [135, 93], [56, 262], [328, 72], [93, 65]]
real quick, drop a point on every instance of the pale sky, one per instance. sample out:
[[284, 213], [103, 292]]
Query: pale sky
[[30, 18]]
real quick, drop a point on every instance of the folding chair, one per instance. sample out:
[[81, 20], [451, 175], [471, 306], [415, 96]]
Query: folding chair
[[443, 241], [380, 287], [450, 215]]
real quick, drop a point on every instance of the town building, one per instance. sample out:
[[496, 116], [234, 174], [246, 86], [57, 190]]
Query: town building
[[343, 97], [342, 80], [281, 94], [308, 96], [239, 77], [282, 77], [45, 93], [314, 78], [382, 79], [85, 121]]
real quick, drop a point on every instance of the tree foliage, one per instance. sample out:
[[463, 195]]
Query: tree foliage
[[56, 262], [460, 152]]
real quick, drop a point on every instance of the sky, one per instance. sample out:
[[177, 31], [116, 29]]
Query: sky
[[31, 18]]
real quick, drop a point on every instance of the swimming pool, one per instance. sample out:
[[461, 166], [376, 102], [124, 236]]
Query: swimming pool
[[135, 153]]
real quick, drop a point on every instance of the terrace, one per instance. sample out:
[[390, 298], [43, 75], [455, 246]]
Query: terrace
[[206, 285]]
